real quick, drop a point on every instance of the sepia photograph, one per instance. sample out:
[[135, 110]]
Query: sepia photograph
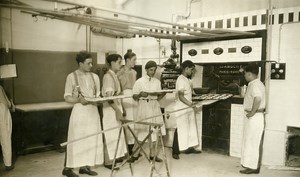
[[149, 88]]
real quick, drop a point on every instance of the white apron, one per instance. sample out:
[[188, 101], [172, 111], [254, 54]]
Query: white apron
[[5, 134], [131, 107], [147, 109], [84, 120], [185, 119], [186, 126], [111, 137], [253, 130]]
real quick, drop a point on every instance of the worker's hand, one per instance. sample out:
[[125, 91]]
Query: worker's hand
[[119, 115], [83, 101], [250, 114], [143, 94]]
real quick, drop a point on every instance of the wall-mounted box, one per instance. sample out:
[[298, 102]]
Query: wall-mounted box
[[278, 71]]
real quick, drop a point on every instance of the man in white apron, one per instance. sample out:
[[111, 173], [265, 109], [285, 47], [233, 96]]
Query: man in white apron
[[127, 78], [84, 119], [254, 105], [6, 129], [112, 112], [148, 106], [185, 136]]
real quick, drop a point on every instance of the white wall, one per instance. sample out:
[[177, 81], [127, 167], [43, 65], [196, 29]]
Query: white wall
[[284, 101]]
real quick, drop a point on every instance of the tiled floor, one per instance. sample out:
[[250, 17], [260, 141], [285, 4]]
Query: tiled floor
[[49, 164]]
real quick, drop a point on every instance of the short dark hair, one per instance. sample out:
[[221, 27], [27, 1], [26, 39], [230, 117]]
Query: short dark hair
[[187, 64], [252, 67], [113, 58], [82, 56], [150, 64], [129, 54]]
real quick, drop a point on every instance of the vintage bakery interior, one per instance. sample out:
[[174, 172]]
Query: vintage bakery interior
[[41, 45]]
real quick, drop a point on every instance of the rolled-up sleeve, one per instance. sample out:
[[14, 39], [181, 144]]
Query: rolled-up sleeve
[[180, 85], [256, 92], [108, 84], [69, 86]]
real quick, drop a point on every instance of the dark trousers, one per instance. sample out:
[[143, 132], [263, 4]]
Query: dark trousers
[[175, 146]]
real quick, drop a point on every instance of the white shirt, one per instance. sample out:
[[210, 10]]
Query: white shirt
[[88, 85], [255, 89], [184, 84], [145, 84]]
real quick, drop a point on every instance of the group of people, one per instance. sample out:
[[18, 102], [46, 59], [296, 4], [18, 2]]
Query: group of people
[[101, 149], [144, 103]]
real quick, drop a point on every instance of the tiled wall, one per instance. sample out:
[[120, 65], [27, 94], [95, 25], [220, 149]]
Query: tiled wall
[[246, 21], [236, 129], [231, 51]]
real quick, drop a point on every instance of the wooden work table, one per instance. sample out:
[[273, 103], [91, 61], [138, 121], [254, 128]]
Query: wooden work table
[[40, 126]]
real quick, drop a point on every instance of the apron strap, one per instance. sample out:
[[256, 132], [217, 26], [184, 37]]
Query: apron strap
[[115, 84], [77, 84]]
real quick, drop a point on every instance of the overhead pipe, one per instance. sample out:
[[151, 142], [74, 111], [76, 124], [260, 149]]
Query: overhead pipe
[[200, 34], [141, 32], [117, 28], [62, 13], [111, 33], [89, 16], [154, 20]]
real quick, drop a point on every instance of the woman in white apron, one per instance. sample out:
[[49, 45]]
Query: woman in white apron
[[127, 78], [84, 119], [6, 129], [112, 111], [185, 136], [148, 105]]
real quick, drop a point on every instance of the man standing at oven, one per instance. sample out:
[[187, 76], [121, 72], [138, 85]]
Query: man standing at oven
[[185, 136], [254, 106]]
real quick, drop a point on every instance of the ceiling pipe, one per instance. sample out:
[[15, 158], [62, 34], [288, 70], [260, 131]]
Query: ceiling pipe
[[116, 28], [123, 25], [110, 33], [88, 17], [153, 20]]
